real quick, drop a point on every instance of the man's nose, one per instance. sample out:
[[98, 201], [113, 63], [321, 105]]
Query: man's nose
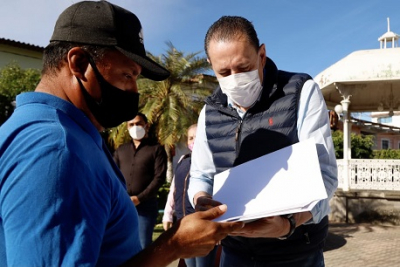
[[134, 88]]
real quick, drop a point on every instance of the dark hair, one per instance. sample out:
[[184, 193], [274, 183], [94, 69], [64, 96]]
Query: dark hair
[[143, 117], [55, 54], [228, 28]]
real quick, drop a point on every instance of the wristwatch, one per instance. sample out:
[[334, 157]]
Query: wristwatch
[[292, 222]]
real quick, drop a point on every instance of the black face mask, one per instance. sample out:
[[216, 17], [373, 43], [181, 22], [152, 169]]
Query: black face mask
[[115, 106]]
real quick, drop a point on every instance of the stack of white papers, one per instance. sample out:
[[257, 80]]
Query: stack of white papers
[[286, 181]]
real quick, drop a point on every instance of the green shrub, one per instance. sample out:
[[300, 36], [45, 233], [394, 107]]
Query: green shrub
[[386, 154], [13, 81], [162, 199], [361, 145]]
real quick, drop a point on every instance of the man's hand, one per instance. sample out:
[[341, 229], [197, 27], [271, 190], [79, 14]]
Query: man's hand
[[272, 227], [204, 201], [135, 200], [192, 236], [167, 225], [196, 235]]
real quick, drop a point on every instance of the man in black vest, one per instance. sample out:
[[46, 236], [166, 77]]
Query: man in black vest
[[257, 110]]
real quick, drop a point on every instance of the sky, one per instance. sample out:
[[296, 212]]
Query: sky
[[300, 36]]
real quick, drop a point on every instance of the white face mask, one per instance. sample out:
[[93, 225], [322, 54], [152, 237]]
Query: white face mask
[[242, 88], [137, 132]]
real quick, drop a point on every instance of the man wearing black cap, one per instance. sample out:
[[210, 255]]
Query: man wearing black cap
[[63, 201]]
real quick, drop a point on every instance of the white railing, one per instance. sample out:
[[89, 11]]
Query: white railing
[[371, 174]]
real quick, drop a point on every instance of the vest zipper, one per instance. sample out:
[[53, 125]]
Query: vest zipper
[[184, 195], [237, 136]]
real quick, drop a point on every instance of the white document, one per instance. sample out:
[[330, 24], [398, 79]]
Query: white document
[[286, 181]]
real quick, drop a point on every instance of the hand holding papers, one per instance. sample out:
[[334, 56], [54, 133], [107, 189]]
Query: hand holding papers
[[286, 181]]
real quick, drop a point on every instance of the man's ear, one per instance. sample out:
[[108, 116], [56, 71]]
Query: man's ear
[[263, 54], [78, 62]]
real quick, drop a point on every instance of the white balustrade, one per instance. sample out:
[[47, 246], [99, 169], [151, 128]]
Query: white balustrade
[[371, 174]]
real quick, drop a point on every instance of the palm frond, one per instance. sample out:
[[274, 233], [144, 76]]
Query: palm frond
[[172, 105]]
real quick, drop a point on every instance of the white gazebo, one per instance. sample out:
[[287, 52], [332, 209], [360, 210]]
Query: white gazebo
[[389, 37], [365, 80]]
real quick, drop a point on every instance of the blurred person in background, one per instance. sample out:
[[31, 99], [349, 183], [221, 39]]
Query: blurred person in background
[[143, 162], [178, 204]]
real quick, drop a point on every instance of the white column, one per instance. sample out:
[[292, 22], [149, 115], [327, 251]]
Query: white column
[[346, 143], [345, 93]]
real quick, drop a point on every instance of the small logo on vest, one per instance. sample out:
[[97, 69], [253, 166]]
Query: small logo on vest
[[270, 121]]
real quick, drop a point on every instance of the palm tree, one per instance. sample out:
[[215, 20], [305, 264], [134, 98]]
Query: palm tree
[[116, 136], [172, 105]]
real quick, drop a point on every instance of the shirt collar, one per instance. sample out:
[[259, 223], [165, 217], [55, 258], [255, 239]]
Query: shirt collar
[[234, 106]]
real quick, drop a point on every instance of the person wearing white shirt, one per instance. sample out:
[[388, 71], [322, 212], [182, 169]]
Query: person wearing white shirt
[[256, 110]]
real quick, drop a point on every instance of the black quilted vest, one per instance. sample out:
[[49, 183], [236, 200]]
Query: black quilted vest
[[182, 203], [269, 125]]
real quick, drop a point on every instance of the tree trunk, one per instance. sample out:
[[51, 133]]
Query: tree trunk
[[170, 155]]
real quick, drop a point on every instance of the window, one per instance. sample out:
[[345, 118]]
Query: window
[[385, 144], [385, 120]]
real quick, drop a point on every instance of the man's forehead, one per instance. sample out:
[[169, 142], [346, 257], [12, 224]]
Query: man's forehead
[[235, 50], [115, 56], [192, 131], [238, 38]]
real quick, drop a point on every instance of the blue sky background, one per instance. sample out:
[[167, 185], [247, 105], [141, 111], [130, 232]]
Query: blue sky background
[[305, 36]]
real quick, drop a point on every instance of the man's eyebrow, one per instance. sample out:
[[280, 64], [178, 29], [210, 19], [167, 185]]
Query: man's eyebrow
[[243, 65], [224, 70]]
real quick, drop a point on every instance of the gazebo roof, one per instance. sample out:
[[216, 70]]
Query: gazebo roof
[[370, 76], [388, 35]]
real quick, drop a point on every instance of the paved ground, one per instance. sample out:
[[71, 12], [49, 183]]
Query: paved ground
[[360, 245]]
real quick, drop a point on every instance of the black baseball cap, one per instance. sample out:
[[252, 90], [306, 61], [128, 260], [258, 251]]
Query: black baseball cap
[[105, 24]]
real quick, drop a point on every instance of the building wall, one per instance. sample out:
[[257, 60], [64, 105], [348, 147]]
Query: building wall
[[25, 58], [394, 141], [355, 129], [392, 137]]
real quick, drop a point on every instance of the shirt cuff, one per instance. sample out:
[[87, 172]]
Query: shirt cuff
[[319, 211], [199, 185]]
